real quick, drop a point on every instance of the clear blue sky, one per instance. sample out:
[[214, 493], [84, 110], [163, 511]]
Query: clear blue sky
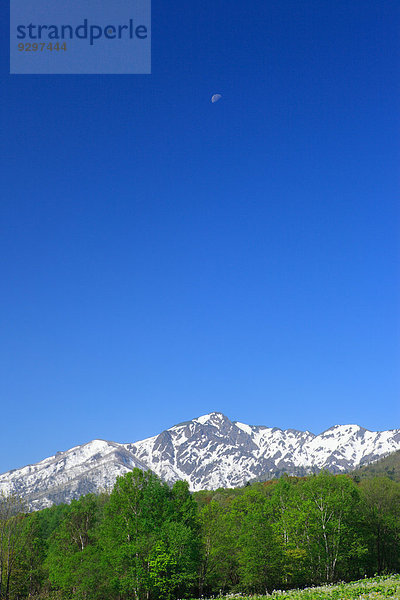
[[164, 257]]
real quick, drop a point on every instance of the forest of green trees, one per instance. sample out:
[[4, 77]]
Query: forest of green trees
[[147, 541]]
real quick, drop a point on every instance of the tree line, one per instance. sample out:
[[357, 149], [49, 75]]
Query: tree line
[[148, 541]]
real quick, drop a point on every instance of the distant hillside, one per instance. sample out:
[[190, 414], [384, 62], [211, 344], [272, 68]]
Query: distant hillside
[[389, 466]]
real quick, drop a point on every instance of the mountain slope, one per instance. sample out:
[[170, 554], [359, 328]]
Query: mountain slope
[[210, 452], [389, 466]]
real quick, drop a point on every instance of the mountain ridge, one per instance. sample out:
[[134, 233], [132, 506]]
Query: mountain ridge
[[210, 451]]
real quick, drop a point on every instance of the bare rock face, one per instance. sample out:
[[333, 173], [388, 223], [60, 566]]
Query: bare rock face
[[209, 452]]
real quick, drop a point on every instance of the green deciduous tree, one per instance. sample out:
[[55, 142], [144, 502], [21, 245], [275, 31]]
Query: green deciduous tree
[[73, 559], [381, 509], [330, 507], [219, 567], [150, 538], [12, 527], [259, 551]]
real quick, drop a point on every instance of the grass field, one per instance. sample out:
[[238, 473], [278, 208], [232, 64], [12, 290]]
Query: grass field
[[375, 588]]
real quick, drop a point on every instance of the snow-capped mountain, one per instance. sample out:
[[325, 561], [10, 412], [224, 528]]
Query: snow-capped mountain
[[209, 452], [92, 467], [212, 451]]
